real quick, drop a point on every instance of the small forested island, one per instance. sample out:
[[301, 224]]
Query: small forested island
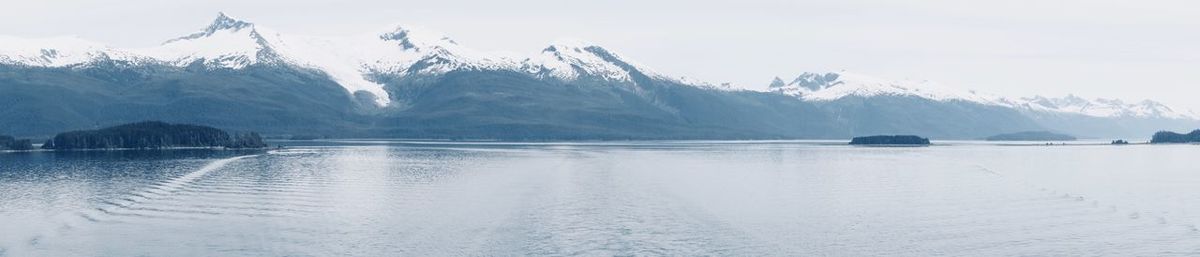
[[904, 140], [1031, 136], [1172, 137], [11, 143], [153, 135], [1120, 142]]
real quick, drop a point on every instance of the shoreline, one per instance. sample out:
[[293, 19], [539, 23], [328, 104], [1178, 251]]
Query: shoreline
[[221, 148], [820, 142]]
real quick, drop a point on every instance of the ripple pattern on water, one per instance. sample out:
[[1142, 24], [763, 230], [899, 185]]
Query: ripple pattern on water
[[688, 199]]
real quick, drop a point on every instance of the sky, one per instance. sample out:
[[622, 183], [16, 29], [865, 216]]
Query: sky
[[1131, 50]]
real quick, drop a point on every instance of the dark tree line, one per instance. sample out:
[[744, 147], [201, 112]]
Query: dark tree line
[[152, 135], [10, 143], [890, 140], [1172, 137]]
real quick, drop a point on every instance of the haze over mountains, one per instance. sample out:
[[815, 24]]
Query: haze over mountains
[[414, 83]]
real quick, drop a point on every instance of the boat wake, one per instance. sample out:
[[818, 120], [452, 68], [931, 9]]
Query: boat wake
[[124, 206], [159, 190]]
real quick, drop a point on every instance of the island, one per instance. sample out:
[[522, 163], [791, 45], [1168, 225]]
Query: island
[[11, 143], [1163, 137], [1031, 136], [1120, 142], [894, 140], [153, 135]]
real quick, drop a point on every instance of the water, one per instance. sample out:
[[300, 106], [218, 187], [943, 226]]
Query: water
[[384, 198]]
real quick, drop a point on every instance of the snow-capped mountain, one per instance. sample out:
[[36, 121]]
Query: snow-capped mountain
[[571, 60], [57, 52], [833, 86], [409, 50], [1100, 107], [403, 51], [837, 85], [229, 43], [404, 81], [226, 43], [235, 44]]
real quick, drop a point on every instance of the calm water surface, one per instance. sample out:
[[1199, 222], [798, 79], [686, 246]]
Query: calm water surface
[[381, 198]]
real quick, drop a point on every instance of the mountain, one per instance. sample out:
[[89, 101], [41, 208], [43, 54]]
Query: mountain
[[866, 105], [405, 82], [574, 61], [1031, 136], [836, 85], [576, 90], [228, 75], [226, 43], [1104, 117], [410, 82], [57, 52], [1100, 107], [908, 100]]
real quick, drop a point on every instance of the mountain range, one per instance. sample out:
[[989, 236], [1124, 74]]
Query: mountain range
[[409, 82]]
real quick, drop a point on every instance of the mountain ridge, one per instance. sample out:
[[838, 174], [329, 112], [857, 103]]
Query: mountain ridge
[[406, 81], [421, 52], [835, 85], [231, 43]]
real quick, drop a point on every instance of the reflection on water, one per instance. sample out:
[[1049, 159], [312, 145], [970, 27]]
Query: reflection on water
[[387, 198]]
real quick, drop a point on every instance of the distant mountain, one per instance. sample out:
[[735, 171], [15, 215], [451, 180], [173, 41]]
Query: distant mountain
[[577, 90], [837, 85], [1031, 136], [868, 105], [414, 83], [405, 82], [1110, 108], [928, 101]]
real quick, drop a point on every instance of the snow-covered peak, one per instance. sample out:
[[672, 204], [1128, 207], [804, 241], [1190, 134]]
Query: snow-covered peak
[[819, 81], [231, 43], [777, 83], [225, 43], [400, 51], [570, 60], [1099, 107], [416, 50], [836, 85], [417, 39], [55, 52], [222, 23]]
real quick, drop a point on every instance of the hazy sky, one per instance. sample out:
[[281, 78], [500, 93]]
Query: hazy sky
[[1094, 48]]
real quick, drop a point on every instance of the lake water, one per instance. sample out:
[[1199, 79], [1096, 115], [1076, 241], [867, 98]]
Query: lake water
[[390, 198]]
